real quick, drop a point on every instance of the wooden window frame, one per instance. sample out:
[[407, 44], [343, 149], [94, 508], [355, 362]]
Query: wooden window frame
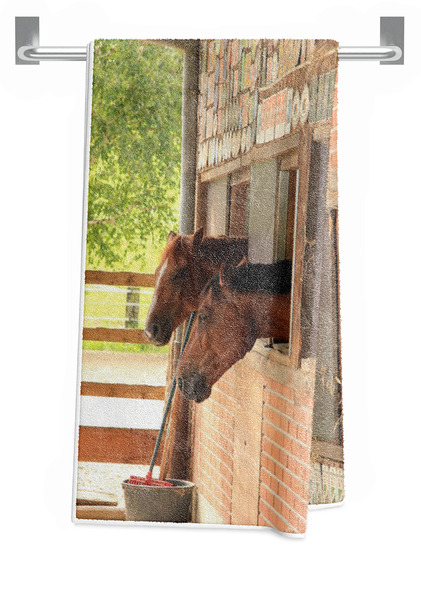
[[292, 168], [293, 153], [238, 179]]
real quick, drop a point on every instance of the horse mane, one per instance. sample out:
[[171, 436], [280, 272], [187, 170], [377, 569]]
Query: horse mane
[[223, 249], [214, 287], [258, 278], [268, 279]]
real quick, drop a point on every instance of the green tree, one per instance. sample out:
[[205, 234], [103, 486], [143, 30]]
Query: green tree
[[135, 150]]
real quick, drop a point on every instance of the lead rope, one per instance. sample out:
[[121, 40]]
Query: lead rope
[[169, 401]]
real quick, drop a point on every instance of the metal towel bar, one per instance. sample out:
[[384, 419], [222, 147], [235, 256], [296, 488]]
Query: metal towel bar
[[28, 51]]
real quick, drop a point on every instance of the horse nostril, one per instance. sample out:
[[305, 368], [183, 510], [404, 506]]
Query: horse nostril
[[180, 383], [200, 386], [153, 330]]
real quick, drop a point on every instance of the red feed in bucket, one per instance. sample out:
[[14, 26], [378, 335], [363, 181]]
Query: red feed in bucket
[[134, 480]]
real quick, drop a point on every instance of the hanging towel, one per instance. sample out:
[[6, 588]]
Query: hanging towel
[[210, 197]]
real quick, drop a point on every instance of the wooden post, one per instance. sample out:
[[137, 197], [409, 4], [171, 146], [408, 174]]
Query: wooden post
[[189, 136], [168, 467], [132, 308], [176, 452]]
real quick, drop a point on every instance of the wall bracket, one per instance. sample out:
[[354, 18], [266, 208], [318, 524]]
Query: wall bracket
[[392, 33]]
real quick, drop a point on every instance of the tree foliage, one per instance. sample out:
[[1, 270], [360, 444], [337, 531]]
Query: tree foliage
[[135, 150]]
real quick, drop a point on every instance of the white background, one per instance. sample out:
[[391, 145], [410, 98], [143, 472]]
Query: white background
[[367, 548]]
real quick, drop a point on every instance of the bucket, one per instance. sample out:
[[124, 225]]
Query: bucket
[[163, 504]]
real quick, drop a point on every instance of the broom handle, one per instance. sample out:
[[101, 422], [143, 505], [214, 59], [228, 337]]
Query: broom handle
[[170, 396]]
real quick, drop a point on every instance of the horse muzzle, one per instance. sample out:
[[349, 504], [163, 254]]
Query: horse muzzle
[[158, 333], [194, 386]]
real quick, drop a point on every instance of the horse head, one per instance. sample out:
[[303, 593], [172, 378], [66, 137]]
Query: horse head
[[223, 332], [180, 276]]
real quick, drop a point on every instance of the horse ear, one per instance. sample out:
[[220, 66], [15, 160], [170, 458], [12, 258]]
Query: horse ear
[[222, 275], [197, 239], [171, 236], [225, 273], [242, 262]]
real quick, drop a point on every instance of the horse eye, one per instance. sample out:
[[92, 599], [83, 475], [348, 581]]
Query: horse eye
[[179, 275]]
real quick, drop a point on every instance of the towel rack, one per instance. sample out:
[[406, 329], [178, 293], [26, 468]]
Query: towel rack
[[29, 52]]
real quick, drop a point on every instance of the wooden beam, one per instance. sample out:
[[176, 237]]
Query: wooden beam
[[108, 334], [120, 278], [322, 131], [117, 445], [176, 447], [101, 513], [241, 176], [260, 152], [179, 450], [201, 205], [290, 161], [189, 136], [326, 451], [122, 390]]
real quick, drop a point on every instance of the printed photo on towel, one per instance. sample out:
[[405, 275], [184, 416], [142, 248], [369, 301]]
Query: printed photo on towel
[[210, 386]]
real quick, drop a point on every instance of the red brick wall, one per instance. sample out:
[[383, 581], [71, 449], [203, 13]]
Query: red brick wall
[[273, 489], [285, 460], [213, 449]]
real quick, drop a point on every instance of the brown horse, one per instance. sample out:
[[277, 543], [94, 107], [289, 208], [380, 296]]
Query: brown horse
[[236, 308], [188, 262]]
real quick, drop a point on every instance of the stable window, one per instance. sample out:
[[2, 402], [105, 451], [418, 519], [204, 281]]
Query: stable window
[[285, 214], [261, 228], [286, 201], [271, 222], [238, 204], [217, 206]]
